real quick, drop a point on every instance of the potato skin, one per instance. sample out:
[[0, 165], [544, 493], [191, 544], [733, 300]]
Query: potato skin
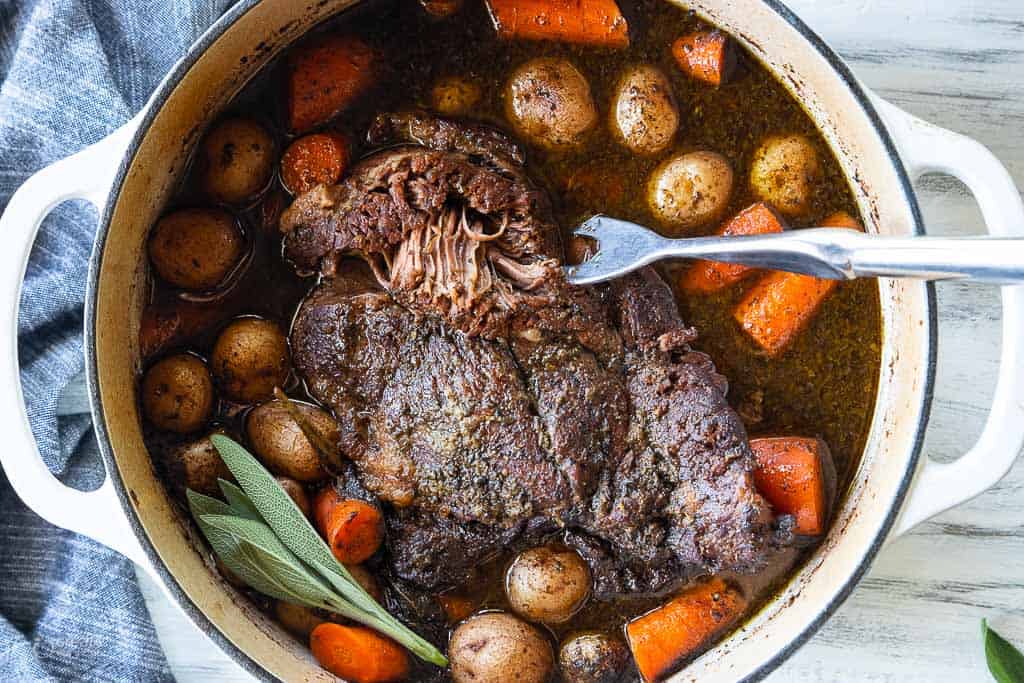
[[367, 580], [250, 358], [455, 95], [495, 647], [690, 190], [547, 584], [177, 394], [593, 658], [279, 443], [236, 161], [784, 172], [548, 101], [297, 619], [644, 114], [197, 465], [195, 249], [296, 493]]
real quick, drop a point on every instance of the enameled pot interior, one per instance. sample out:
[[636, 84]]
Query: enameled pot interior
[[199, 88]]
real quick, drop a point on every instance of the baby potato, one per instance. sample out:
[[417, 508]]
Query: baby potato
[[279, 443], [296, 493], [495, 647], [455, 95], [297, 619], [644, 114], [177, 393], [547, 584], [691, 189], [197, 465], [549, 102], [195, 249], [249, 359], [593, 658], [236, 161], [367, 580], [784, 172]]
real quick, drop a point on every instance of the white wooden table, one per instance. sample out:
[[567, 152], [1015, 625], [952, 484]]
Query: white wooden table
[[959, 64]]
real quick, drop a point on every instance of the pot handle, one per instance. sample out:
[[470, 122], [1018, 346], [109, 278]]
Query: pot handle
[[97, 514], [929, 149]]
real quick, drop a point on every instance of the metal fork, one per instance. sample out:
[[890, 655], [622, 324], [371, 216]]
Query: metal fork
[[832, 253]]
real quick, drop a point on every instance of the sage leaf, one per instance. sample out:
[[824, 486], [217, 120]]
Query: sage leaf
[[238, 501], [1005, 662]]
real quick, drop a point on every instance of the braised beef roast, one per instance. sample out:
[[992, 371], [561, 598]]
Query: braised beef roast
[[489, 402]]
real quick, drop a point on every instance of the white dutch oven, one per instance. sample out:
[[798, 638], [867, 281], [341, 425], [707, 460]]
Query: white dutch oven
[[129, 175]]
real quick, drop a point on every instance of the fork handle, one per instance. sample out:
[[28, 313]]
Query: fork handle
[[838, 254]]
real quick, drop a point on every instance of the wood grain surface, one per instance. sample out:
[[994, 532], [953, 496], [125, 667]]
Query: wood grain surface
[[916, 616]]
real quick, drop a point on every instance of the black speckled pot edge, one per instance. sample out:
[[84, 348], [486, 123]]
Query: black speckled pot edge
[[201, 621]]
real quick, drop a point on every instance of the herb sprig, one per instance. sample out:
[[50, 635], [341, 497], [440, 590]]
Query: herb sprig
[[1005, 662], [263, 537]]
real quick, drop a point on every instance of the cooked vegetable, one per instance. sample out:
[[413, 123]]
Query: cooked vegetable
[[549, 102], [358, 654], [711, 276], [691, 189], [456, 606], [495, 647], [590, 22], [296, 493], [282, 446], [455, 95], [778, 307], [793, 473], [354, 529], [707, 56], [316, 159], [195, 249], [785, 173], [297, 619], [547, 584], [249, 359], [644, 112], [236, 161], [593, 658], [196, 465], [326, 75], [663, 639], [168, 324], [177, 393], [367, 580], [441, 8]]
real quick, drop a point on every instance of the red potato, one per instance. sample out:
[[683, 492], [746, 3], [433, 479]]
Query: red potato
[[326, 75], [796, 474], [711, 276], [707, 56], [585, 22], [780, 305]]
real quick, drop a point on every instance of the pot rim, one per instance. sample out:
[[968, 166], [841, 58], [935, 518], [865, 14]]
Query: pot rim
[[156, 102]]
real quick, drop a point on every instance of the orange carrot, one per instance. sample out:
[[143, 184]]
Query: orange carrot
[[663, 639], [587, 22], [358, 654], [792, 473], [776, 309], [710, 276], [456, 606], [708, 56], [353, 529], [326, 75], [316, 159]]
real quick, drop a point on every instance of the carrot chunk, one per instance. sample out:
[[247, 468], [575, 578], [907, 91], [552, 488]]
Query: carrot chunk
[[711, 276], [586, 22], [358, 654], [663, 639], [316, 159], [779, 306], [707, 56], [352, 528], [325, 76], [792, 475]]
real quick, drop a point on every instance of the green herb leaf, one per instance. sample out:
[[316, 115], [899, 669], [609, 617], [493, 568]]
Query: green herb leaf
[[289, 526], [239, 502], [1004, 660]]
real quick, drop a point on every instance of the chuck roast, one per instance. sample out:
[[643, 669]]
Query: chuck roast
[[491, 403]]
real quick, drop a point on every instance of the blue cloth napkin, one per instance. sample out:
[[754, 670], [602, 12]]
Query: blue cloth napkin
[[71, 71]]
